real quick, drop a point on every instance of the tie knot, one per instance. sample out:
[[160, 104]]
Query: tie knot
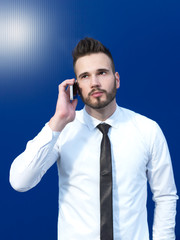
[[104, 127]]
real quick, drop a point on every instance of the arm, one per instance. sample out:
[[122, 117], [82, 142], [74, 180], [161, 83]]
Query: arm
[[161, 179], [30, 166], [41, 153]]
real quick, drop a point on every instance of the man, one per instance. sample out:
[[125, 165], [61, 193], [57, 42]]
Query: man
[[74, 140]]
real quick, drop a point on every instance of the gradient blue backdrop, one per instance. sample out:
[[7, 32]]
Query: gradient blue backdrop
[[144, 38]]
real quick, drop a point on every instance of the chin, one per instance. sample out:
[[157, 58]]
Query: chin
[[99, 105]]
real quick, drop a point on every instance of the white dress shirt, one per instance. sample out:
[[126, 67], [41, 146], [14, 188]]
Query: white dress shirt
[[139, 153]]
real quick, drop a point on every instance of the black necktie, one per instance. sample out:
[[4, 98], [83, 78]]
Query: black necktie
[[106, 212]]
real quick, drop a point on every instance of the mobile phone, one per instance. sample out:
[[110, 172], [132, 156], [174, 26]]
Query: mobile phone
[[73, 91]]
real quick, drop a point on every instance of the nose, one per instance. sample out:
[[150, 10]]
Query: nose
[[94, 81]]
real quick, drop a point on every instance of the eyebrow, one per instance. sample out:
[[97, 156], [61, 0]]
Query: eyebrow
[[102, 70], [98, 70], [84, 73]]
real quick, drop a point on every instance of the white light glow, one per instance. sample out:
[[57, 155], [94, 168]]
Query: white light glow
[[16, 33], [24, 36]]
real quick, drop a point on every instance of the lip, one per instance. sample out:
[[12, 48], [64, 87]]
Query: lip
[[97, 94]]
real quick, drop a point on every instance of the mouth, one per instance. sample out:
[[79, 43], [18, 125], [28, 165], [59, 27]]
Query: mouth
[[96, 93]]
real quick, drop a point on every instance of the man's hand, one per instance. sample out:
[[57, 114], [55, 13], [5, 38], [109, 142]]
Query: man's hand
[[65, 109]]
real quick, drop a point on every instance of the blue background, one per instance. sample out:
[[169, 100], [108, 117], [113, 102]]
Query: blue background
[[144, 38]]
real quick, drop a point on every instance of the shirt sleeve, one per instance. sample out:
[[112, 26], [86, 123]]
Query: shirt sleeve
[[40, 154], [161, 180]]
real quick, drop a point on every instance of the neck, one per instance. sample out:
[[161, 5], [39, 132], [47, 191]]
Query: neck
[[103, 113]]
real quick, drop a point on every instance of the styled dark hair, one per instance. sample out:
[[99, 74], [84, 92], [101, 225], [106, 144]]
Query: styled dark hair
[[88, 46]]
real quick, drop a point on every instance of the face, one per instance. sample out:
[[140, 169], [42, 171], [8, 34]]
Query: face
[[96, 80]]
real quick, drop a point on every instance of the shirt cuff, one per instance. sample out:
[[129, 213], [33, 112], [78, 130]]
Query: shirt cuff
[[54, 133]]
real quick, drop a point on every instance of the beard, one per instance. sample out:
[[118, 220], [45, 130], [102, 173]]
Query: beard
[[99, 103]]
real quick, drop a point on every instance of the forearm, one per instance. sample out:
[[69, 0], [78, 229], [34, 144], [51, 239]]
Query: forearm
[[29, 167], [162, 183], [164, 219]]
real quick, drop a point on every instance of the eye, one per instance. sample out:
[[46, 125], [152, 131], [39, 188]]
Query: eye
[[102, 73], [84, 76]]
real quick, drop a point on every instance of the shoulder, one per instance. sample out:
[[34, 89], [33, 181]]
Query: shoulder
[[136, 118], [145, 128], [144, 125]]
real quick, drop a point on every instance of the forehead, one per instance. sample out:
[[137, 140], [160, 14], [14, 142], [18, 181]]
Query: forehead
[[89, 63]]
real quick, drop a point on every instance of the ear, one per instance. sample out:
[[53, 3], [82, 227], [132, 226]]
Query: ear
[[117, 78]]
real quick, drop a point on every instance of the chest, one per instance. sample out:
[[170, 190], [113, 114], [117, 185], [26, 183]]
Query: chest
[[80, 155]]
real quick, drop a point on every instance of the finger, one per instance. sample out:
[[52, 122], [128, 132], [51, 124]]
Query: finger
[[65, 83], [68, 91], [74, 103]]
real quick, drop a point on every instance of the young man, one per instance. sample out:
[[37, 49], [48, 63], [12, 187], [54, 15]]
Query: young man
[[74, 140]]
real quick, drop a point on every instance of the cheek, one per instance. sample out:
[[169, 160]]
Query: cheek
[[111, 85], [83, 89]]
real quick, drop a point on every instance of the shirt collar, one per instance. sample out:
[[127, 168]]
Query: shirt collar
[[92, 122]]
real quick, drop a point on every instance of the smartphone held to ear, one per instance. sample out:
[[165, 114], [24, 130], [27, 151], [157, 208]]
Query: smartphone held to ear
[[73, 91]]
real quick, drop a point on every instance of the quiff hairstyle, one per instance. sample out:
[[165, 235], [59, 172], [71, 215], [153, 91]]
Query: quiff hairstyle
[[88, 46]]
